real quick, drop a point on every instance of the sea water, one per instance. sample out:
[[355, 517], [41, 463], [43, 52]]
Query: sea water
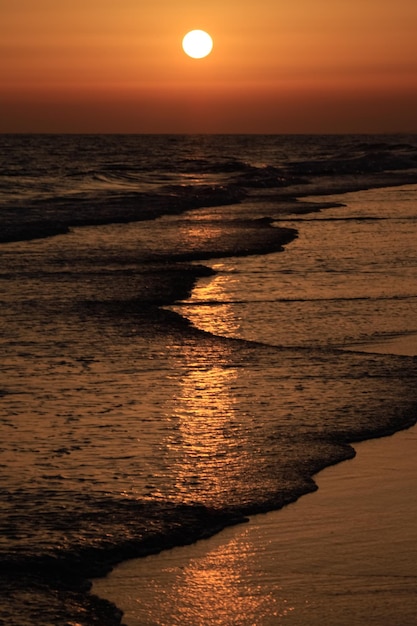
[[357, 285], [174, 333], [289, 568]]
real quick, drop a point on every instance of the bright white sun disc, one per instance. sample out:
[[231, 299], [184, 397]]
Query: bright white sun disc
[[197, 44]]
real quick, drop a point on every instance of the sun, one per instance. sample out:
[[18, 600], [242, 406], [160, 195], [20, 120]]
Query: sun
[[197, 44]]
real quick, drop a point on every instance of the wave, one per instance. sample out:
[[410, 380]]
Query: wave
[[363, 158], [47, 179], [98, 346], [59, 538]]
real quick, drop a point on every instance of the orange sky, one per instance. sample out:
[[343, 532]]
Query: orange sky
[[278, 66]]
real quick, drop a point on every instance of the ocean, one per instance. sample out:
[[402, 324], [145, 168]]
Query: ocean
[[186, 324]]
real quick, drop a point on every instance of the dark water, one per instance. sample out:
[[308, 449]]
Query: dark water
[[151, 395]]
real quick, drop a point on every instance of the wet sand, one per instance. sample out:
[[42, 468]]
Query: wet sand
[[345, 555], [406, 345]]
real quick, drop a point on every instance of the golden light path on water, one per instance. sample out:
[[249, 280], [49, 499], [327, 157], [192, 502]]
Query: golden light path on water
[[338, 556], [203, 418], [255, 574], [215, 411], [206, 414], [223, 585], [209, 307], [295, 567], [207, 410]]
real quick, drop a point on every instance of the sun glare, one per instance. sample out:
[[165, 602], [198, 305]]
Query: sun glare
[[197, 44]]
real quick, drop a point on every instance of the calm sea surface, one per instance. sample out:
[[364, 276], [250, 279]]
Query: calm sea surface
[[181, 339]]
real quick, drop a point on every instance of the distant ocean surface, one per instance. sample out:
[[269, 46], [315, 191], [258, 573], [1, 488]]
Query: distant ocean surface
[[182, 320]]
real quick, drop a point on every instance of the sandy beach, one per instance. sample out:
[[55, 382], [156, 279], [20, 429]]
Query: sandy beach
[[344, 555]]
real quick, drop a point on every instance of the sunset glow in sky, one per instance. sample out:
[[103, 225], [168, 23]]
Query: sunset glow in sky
[[277, 66]]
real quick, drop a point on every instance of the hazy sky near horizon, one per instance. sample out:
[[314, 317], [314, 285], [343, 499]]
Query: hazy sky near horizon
[[277, 66]]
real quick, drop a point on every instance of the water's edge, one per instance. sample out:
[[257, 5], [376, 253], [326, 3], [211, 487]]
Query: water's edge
[[293, 202], [70, 575]]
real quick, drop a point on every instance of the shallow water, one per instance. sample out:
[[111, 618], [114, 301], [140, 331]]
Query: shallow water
[[120, 420], [313, 574], [344, 555], [358, 284]]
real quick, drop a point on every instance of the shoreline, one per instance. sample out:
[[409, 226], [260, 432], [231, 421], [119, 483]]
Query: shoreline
[[390, 345], [288, 565], [274, 242], [328, 558], [404, 345]]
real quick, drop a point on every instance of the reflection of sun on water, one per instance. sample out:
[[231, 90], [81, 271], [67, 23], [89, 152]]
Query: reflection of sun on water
[[224, 584], [222, 587], [209, 306], [210, 450], [204, 447], [208, 417], [208, 445]]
